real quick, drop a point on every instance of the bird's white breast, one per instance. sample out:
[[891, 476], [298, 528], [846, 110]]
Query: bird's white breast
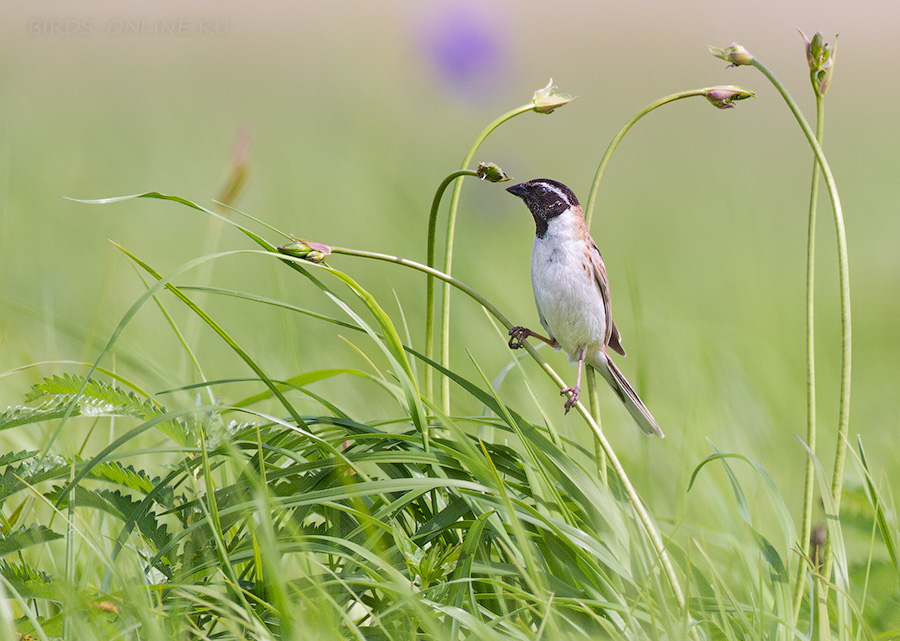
[[565, 287]]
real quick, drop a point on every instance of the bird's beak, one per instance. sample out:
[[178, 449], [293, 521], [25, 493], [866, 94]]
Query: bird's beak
[[518, 190]]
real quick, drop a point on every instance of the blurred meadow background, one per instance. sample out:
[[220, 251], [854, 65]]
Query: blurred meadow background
[[356, 111]]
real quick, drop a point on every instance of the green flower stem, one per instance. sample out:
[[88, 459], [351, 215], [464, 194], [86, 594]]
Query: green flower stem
[[837, 479], [613, 461], [448, 251], [601, 169], [810, 480], [588, 214], [429, 285]]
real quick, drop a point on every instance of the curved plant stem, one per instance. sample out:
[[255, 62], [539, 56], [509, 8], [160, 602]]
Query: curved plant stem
[[837, 479], [604, 161], [448, 248], [810, 480], [613, 461], [429, 285], [589, 212]]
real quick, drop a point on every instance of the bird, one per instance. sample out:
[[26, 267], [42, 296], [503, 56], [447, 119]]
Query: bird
[[571, 291]]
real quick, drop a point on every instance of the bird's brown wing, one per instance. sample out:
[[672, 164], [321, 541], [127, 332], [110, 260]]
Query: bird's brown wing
[[613, 338]]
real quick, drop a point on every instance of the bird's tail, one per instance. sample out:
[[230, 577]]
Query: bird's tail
[[632, 401]]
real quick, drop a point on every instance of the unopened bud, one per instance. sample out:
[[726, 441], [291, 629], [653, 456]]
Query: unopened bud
[[735, 54], [723, 96], [490, 172], [547, 99], [820, 56], [307, 250]]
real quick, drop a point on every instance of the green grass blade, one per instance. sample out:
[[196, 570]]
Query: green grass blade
[[217, 329], [887, 533]]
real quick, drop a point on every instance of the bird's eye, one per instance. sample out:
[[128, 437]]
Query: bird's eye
[[542, 190]]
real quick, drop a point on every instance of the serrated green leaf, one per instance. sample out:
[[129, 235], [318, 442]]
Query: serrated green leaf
[[18, 477], [98, 398], [26, 537], [14, 457], [127, 476], [22, 572], [24, 415], [147, 522], [27, 581], [124, 508]]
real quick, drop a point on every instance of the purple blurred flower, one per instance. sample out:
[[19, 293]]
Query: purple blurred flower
[[464, 46]]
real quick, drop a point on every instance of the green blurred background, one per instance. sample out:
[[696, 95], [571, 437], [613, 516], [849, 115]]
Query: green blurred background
[[357, 110]]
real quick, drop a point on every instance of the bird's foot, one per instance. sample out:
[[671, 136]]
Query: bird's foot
[[574, 392], [518, 335]]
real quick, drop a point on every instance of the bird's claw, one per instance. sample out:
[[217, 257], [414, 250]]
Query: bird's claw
[[518, 335], [575, 392]]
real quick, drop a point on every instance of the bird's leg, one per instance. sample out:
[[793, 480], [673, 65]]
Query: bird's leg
[[575, 391], [518, 335]]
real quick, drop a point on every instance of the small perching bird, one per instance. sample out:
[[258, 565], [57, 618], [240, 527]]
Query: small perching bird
[[571, 290]]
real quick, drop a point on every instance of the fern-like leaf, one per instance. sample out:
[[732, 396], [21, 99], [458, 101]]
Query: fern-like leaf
[[102, 399], [122, 507], [27, 581], [17, 477], [53, 409], [14, 457], [127, 476], [25, 537], [151, 528]]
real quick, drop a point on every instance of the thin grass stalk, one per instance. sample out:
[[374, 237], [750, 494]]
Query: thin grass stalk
[[448, 248], [212, 513], [837, 479], [185, 343], [70, 555], [633, 498], [823, 623], [217, 328], [599, 454], [810, 478]]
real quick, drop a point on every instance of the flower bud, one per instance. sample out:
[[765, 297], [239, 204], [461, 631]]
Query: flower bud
[[735, 54], [723, 96], [547, 99], [820, 56], [490, 172], [305, 249]]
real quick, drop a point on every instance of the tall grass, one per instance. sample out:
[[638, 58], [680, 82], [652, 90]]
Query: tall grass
[[261, 509]]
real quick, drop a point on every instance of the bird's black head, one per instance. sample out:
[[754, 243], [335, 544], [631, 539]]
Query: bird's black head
[[546, 199]]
